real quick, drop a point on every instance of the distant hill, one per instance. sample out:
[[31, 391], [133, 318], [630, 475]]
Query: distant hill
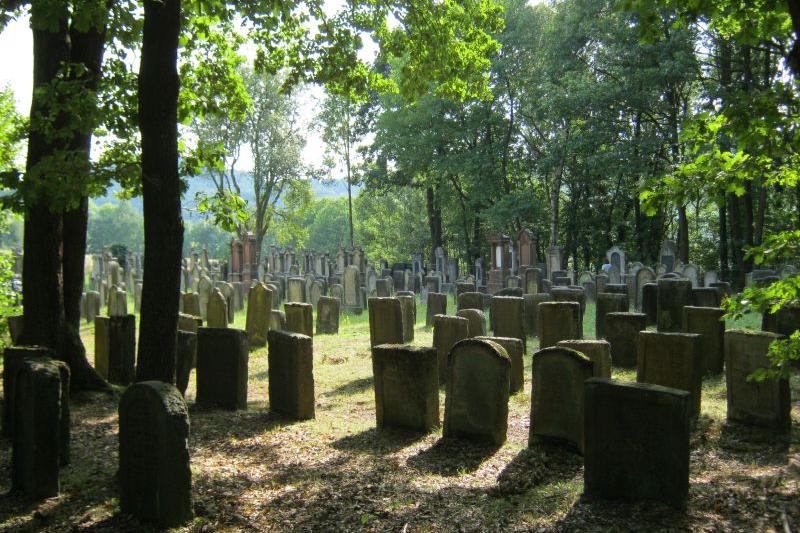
[[202, 183]]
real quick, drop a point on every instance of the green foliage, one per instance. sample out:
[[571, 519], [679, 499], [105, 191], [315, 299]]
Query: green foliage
[[114, 223], [9, 300], [390, 225], [225, 209], [202, 234], [327, 228]]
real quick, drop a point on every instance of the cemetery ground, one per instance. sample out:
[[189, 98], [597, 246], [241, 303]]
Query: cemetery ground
[[254, 471]]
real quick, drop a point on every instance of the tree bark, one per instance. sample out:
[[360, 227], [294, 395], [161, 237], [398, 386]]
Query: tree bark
[[683, 235], [434, 221], [737, 241], [161, 192], [724, 267]]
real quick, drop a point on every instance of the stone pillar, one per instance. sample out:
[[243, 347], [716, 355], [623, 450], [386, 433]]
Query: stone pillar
[[291, 375]]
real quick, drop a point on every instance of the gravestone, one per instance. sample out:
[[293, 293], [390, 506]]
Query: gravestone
[[672, 360], [385, 321], [508, 318], [558, 321], [476, 401], [614, 276], [217, 311], [299, 318], [115, 348], [650, 302], [557, 403], [470, 300], [607, 303], [277, 320], [185, 358], [764, 403], [408, 305], [600, 282], [189, 322], [437, 305], [706, 297], [637, 442], [351, 281], [12, 358], [204, 288], [327, 315], [382, 288], [571, 294], [673, 296], [317, 291], [618, 259], [432, 284], [40, 435], [622, 332], [155, 478], [259, 308], [406, 386], [337, 291], [92, 306], [598, 352], [532, 302], [477, 321], [447, 331], [462, 286], [117, 302], [668, 255], [515, 351], [692, 273], [709, 324], [643, 276], [296, 290], [533, 280], [711, 276], [222, 358], [785, 321], [291, 375]]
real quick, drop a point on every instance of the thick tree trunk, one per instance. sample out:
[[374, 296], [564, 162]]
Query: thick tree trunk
[[683, 235], [737, 241], [555, 192], [161, 193], [42, 283], [724, 267], [434, 221]]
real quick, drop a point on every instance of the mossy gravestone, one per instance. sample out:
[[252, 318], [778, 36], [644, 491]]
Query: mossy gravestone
[[291, 374], [447, 331], [607, 302], [327, 315], [532, 302], [515, 351], [764, 403], [406, 386], [470, 300], [40, 422], [476, 402], [622, 332], [709, 324], [385, 321], [508, 317], [408, 305], [115, 348], [672, 360], [557, 406], [217, 310], [185, 359], [558, 321], [299, 318], [437, 305], [277, 320], [191, 303], [673, 296], [477, 321], [637, 442], [154, 475], [598, 351], [259, 307], [222, 358]]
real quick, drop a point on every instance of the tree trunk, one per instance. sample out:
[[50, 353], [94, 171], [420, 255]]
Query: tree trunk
[[737, 271], [683, 235], [161, 191], [434, 221], [724, 268], [554, 197], [42, 289]]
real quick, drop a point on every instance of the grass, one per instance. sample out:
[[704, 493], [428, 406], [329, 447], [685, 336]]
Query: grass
[[253, 471]]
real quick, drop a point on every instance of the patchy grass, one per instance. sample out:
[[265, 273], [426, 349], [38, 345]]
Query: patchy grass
[[253, 471]]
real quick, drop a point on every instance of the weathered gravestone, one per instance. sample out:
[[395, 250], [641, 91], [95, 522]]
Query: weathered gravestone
[[222, 358], [470, 300], [40, 435], [447, 331], [352, 301], [672, 360], [764, 403], [558, 321], [299, 318], [433, 284], [673, 296], [598, 352], [115, 348], [406, 386], [476, 401], [643, 276], [259, 308], [296, 289], [92, 306], [327, 315], [316, 292], [709, 324], [277, 320], [785, 321], [154, 475], [462, 287], [515, 351], [385, 321], [437, 305], [477, 321], [382, 288], [117, 302], [217, 310], [12, 358], [408, 305], [607, 303], [571, 294], [650, 302], [337, 291], [291, 375], [557, 406], [508, 318], [622, 333], [637, 442], [532, 302], [189, 322], [191, 304], [705, 297], [185, 359], [533, 280]]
